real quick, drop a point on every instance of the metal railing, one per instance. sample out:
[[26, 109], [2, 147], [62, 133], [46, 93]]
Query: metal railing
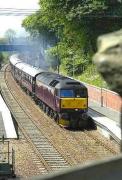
[[7, 158]]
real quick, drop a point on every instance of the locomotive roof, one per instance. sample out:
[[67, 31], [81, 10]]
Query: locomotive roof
[[28, 69], [57, 80]]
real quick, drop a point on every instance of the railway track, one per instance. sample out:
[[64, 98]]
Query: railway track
[[56, 148], [97, 141], [46, 151]]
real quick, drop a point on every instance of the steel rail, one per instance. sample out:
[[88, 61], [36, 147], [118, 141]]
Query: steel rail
[[50, 157]]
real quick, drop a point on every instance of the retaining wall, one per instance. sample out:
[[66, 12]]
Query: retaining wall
[[105, 97]]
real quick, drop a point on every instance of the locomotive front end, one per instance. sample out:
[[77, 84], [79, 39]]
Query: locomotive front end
[[74, 106]]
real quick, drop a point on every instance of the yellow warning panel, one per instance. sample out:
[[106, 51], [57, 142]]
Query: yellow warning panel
[[74, 103]]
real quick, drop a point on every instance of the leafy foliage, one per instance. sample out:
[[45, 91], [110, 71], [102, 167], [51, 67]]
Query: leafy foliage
[[3, 55], [71, 27], [1, 59]]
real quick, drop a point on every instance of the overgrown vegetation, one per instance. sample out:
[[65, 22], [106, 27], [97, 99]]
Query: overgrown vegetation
[[2, 55], [91, 76], [69, 30], [3, 58], [8, 39]]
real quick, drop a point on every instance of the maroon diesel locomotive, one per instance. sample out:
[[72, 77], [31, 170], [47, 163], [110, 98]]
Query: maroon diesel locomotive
[[62, 98]]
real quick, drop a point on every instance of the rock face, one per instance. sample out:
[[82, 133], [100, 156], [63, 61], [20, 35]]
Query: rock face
[[109, 59]]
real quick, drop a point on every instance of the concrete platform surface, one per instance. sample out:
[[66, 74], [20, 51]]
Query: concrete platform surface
[[107, 117], [110, 113]]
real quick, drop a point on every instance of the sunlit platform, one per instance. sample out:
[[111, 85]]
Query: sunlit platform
[[7, 128]]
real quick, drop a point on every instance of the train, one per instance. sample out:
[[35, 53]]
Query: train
[[60, 97]]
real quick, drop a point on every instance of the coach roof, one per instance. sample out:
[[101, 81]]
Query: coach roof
[[30, 70], [14, 59]]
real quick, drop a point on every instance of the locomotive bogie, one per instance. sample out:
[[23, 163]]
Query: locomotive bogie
[[64, 123]]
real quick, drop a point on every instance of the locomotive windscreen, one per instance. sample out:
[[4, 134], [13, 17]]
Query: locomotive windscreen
[[66, 93], [73, 93]]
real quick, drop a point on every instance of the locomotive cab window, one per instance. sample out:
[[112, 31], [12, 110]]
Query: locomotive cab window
[[80, 93], [66, 93]]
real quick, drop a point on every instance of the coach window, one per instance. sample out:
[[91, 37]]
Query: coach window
[[19, 73], [30, 79], [22, 75], [27, 78]]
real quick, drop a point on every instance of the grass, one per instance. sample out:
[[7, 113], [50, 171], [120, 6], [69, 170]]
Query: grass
[[90, 76], [5, 57]]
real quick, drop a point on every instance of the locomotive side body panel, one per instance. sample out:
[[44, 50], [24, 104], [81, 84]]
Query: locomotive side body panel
[[45, 94]]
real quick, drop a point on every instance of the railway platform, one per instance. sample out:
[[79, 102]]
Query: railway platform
[[7, 128], [107, 118], [110, 113]]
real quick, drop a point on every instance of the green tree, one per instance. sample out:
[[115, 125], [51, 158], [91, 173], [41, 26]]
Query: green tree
[[3, 41], [74, 26], [1, 59], [10, 34], [3, 55]]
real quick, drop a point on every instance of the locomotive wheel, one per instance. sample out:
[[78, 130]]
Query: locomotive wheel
[[51, 114], [73, 123], [56, 118], [40, 104], [83, 124], [47, 110], [57, 121], [36, 100], [28, 92], [44, 107], [91, 124]]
